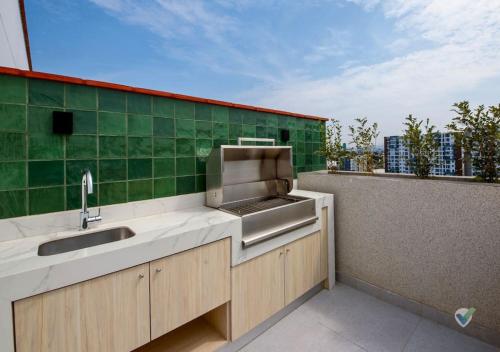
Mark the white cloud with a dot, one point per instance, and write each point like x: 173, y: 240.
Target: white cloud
x: 463, y: 58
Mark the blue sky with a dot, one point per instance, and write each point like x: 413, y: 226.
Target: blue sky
x: 334, y: 58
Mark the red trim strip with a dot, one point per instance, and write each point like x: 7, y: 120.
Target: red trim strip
x: 91, y: 83
x: 25, y: 32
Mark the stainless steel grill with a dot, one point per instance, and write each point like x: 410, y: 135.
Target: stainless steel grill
x: 253, y: 182
x: 249, y: 207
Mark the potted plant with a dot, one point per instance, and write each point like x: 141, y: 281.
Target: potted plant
x: 479, y: 132
x: 422, y: 145
x: 331, y: 145
x: 363, y: 138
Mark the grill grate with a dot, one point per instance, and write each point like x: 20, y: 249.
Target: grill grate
x: 253, y: 207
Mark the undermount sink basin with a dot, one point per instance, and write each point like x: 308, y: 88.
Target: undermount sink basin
x: 90, y: 239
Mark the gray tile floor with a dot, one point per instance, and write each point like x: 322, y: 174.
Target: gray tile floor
x: 347, y: 320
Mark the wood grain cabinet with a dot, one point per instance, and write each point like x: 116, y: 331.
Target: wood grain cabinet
x: 109, y: 313
x: 189, y: 284
x: 302, y: 266
x: 266, y: 284
x: 257, y: 291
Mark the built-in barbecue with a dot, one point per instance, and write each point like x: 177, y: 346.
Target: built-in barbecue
x: 253, y: 182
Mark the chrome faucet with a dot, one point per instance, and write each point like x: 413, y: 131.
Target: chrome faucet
x: 87, y: 188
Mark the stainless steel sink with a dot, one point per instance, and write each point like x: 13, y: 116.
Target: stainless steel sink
x: 90, y: 239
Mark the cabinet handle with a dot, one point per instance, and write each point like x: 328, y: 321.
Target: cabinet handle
x: 288, y: 250
x: 141, y: 276
x: 158, y: 270
x: 281, y: 253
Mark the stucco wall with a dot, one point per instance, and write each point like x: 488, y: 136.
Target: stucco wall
x: 435, y: 242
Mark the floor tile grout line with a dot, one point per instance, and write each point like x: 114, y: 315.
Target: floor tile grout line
x: 421, y: 319
x: 341, y: 335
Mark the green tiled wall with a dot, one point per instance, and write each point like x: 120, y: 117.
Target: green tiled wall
x: 137, y: 146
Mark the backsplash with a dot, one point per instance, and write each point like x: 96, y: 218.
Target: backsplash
x: 137, y: 146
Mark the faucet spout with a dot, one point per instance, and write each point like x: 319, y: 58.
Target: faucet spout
x: 87, y: 188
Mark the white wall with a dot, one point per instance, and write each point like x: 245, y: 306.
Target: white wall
x: 12, y: 45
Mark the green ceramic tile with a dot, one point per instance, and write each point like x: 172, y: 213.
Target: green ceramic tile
x: 184, y: 185
x: 201, y: 183
x: 164, y: 167
x: 203, y: 112
x: 46, y: 200
x: 249, y: 117
x: 45, y: 173
x: 272, y: 133
x: 112, y: 147
x: 112, y: 170
x: 46, y: 93
x: 201, y: 163
x: 75, y: 168
x: 12, y: 117
x: 140, y: 147
x: 81, y: 147
x: 140, y: 125
x: 12, y: 204
x: 248, y: 131
x: 184, y: 129
x: 301, y: 135
x: 81, y: 97
x: 309, y: 148
x: 112, y: 193
x: 235, y: 131
x: 74, y: 197
x: 220, y: 131
x: 272, y: 120
x: 140, y: 168
x: 40, y: 119
x: 282, y: 122
x: 163, y: 107
x: 164, y: 147
x: 140, y: 190
x: 111, y: 100
x: 163, y: 127
x: 301, y: 159
x: 12, y: 146
x: 138, y: 104
x: 261, y: 132
x: 184, y: 147
x: 218, y: 142
x: 13, y: 89
x: 203, y: 129
x: 112, y: 124
x: 235, y: 116
x: 220, y: 114
x: 184, y: 109
x: 164, y: 187
x: 203, y: 147
x: 300, y: 123
x: 12, y: 175
x: 184, y: 166
x: 261, y: 119
x: 41, y: 146
x: 84, y: 122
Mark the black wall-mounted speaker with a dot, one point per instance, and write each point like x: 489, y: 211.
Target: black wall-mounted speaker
x: 62, y: 122
x: 285, y: 135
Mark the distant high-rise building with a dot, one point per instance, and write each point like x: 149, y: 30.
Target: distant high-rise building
x: 449, y: 156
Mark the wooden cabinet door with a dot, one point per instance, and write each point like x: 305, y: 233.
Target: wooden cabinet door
x: 302, y: 266
x: 188, y: 284
x: 109, y: 313
x: 257, y: 291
